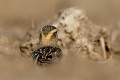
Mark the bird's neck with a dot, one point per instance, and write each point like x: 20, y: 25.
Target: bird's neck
x: 48, y: 42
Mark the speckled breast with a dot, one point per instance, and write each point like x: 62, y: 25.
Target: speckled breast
x: 47, y: 54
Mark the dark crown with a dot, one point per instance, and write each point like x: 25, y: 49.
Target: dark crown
x: 48, y: 28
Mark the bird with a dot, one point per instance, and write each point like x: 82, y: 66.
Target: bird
x: 48, y: 50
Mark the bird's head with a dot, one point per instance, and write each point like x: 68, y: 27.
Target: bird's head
x: 49, y: 30
x: 48, y: 35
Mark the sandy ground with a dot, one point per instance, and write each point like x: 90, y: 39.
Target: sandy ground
x: 15, y: 22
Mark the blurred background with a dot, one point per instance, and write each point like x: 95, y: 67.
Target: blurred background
x: 15, y: 20
x: 99, y: 11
